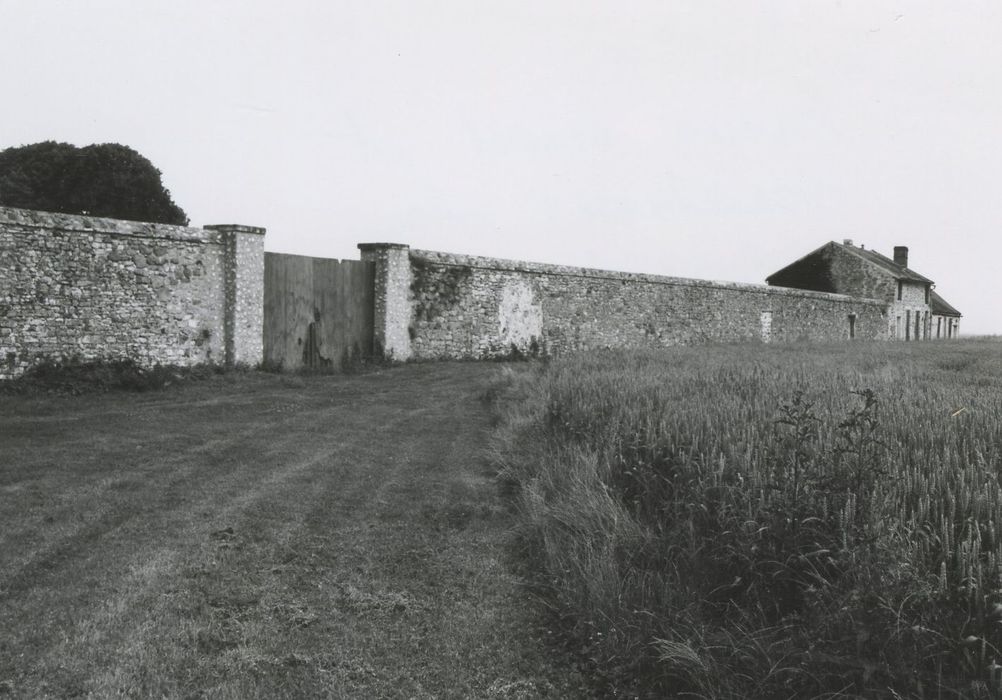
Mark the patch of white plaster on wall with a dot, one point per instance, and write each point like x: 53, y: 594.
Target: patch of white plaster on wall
x: 520, y: 319
x: 766, y: 320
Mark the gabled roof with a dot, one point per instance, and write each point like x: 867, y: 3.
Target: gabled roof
x: 901, y: 273
x: 939, y: 306
x: 814, y: 260
x: 815, y: 266
x: 814, y: 271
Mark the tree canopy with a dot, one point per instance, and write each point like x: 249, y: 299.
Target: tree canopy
x: 105, y: 179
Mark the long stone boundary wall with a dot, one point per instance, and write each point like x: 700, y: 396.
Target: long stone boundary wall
x: 88, y: 288
x: 440, y: 305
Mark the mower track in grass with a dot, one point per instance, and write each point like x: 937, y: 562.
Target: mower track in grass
x: 264, y: 536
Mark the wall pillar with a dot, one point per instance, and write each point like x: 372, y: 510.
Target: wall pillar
x: 243, y: 275
x: 392, y: 317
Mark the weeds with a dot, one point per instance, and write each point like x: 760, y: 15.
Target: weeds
x: 771, y: 522
x: 74, y: 377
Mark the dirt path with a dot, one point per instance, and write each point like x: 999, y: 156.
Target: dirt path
x: 268, y: 537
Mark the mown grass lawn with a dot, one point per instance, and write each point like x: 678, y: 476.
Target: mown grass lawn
x: 264, y: 536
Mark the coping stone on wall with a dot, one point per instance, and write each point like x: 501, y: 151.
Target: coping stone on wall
x: 500, y: 264
x: 366, y: 247
x: 237, y: 228
x: 30, y: 218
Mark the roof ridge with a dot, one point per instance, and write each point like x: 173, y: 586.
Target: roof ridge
x: 880, y: 260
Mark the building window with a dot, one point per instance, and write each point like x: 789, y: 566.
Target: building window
x: 927, y: 294
x: 852, y: 326
x: 939, y: 326
x: 908, y: 325
x: 900, y: 284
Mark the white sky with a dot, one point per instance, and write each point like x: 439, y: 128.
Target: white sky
x: 697, y: 138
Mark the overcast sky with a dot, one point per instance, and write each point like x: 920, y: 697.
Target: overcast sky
x: 717, y: 140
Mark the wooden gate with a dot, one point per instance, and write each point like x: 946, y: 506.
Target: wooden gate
x: 318, y: 312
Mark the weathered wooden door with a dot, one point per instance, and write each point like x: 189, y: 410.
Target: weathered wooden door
x: 318, y: 312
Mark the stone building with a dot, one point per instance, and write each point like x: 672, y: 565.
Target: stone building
x: 914, y: 310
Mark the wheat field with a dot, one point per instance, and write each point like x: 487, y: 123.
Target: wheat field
x: 767, y: 521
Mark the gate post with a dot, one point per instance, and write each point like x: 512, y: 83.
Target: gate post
x: 392, y: 314
x: 243, y: 284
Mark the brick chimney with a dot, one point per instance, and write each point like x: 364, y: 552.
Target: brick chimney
x: 901, y: 255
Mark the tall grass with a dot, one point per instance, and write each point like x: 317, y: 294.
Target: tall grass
x: 768, y: 521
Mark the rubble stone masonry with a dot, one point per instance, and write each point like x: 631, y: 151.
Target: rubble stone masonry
x: 95, y: 288
x: 458, y: 306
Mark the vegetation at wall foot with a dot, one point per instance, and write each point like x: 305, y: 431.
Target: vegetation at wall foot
x: 75, y: 377
x: 759, y: 522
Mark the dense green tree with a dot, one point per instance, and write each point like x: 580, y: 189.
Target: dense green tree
x: 105, y: 179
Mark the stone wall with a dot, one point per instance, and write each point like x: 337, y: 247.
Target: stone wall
x: 89, y: 288
x: 86, y: 287
x: 457, y: 306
